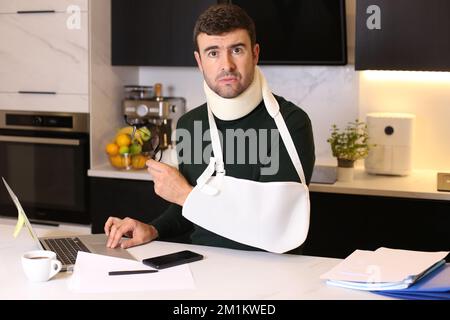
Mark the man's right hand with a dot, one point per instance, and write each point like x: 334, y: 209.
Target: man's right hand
x: 116, y: 228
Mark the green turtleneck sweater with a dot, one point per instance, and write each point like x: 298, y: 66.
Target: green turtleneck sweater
x: 191, y: 154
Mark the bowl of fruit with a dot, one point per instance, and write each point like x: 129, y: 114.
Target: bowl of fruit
x: 131, y: 148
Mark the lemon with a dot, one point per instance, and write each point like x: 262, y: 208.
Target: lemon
x: 124, y: 149
x: 123, y: 139
x: 135, y: 148
x: 112, y: 149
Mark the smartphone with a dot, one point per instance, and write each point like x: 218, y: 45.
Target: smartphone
x: 172, y: 259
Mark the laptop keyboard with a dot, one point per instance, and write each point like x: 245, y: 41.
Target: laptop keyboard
x: 66, y: 249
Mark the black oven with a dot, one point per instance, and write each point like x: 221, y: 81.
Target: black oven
x: 44, y: 157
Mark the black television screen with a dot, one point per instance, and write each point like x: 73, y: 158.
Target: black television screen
x: 311, y: 32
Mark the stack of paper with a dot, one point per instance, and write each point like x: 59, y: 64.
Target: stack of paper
x: 383, y: 269
x: 90, y: 274
x: 435, y: 286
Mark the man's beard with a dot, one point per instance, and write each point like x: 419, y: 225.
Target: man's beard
x: 227, y: 92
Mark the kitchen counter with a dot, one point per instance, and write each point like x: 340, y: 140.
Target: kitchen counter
x: 107, y: 171
x: 420, y: 184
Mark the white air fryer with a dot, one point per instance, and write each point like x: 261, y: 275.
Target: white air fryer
x: 393, y: 135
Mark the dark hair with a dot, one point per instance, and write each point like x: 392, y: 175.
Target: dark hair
x: 222, y: 18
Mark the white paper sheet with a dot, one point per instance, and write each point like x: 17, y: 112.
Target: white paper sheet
x: 383, y: 265
x: 91, y: 275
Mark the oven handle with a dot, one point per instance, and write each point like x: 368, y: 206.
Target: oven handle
x: 59, y: 141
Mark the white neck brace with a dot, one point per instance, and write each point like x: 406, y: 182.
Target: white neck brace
x: 238, y: 107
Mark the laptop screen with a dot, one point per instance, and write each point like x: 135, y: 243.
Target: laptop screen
x: 23, y: 219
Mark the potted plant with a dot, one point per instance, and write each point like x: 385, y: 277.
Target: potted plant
x: 349, y: 145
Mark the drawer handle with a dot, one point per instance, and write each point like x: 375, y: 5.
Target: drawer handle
x: 37, y: 92
x: 36, y: 140
x: 35, y: 11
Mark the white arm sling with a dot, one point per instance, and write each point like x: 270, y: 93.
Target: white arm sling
x: 272, y: 216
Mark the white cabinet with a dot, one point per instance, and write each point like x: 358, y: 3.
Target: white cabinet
x: 44, y: 61
x: 42, y: 54
x: 12, y: 6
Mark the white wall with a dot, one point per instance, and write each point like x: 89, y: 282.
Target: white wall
x: 425, y: 94
x: 327, y: 94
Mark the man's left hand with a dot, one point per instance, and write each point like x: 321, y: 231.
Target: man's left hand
x: 169, y: 182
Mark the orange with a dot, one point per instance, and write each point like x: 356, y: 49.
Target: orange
x: 112, y: 149
x: 138, y: 161
x: 116, y: 161
x: 123, y: 139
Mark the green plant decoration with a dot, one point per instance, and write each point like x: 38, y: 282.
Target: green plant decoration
x: 350, y: 144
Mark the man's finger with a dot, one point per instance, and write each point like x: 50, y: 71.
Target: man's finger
x: 112, y: 232
x: 115, y: 238
x: 156, y: 175
x: 153, y: 171
x: 129, y: 243
x: 109, y: 224
x: 155, y: 165
x: 124, y: 228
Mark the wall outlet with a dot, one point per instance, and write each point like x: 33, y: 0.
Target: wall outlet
x: 443, y: 181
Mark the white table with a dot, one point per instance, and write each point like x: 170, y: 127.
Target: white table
x: 224, y: 273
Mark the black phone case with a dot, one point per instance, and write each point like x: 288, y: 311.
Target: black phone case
x: 172, y: 261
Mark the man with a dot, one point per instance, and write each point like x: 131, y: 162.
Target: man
x: 227, y: 55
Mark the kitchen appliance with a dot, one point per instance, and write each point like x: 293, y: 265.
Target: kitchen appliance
x: 45, y: 157
x: 159, y: 112
x: 392, y: 134
x: 136, y: 92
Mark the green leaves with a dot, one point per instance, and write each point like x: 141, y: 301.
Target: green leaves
x: 352, y: 143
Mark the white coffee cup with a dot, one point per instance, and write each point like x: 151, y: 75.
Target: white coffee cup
x: 40, y: 265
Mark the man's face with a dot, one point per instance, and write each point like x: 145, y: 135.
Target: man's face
x: 227, y: 61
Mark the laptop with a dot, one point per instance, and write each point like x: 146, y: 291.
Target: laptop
x: 66, y: 248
